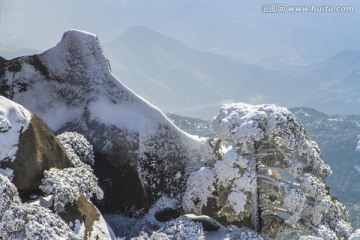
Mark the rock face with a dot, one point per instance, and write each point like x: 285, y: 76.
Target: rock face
x: 138, y: 150
x: 38, y: 150
x: 28, y: 148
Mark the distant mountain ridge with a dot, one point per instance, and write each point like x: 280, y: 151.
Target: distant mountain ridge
x: 195, y: 83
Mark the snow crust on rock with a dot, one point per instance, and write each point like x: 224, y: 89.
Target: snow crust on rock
x: 79, y: 56
x: 355, y: 235
x: 101, y: 230
x: 14, y: 120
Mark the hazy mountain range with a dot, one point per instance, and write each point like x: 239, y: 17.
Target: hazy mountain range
x: 195, y: 83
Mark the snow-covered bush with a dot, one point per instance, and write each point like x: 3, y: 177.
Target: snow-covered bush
x: 75, y: 143
x: 25, y: 221
x: 8, y: 194
x: 181, y: 228
x: 68, y: 184
x: 33, y: 222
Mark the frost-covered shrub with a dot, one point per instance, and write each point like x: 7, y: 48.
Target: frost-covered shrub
x: 69, y: 184
x: 8, y: 194
x: 33, y: 222
x: 153, y: 236
x: 75, y: 143
x: 181, y: 228
x: 25, y: 221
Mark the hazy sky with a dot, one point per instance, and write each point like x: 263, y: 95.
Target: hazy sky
x: 232, y: 27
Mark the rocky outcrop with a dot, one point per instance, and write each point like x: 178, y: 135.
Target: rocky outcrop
x: 28, y: 148
x: 38, y: 150
x: 140, y: 154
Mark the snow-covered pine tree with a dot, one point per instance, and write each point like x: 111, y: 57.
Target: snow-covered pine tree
x: 268, y: 170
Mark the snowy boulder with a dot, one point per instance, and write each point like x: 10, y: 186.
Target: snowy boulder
x: 85, y: 217
x: 28, y: 150
x: 137, y: 149
x: 28, y: 147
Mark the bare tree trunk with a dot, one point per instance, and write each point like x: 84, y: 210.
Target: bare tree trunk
x: 255, y: 210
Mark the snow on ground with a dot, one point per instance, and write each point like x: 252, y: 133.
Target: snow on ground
x: 14, y: 119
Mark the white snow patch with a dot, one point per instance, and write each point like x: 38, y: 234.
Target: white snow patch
x: 7, y: 172
x: 57, y: 116
x: 162, y: 203
x: 232, y: 157
x: 14, y: 120
x: 225, y: 173
x: 127, y: 116
x: 355, y: 235
x: 79, y: 229
x: 44, y: 201
x: 247, y: 182
x: 101, y: 230
x: 237, y: 200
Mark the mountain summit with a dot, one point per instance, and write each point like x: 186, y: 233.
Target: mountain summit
x: 71, y: 87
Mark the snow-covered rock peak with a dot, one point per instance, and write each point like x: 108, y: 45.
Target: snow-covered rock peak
x: 71, y: 87
x: 77, y: 50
